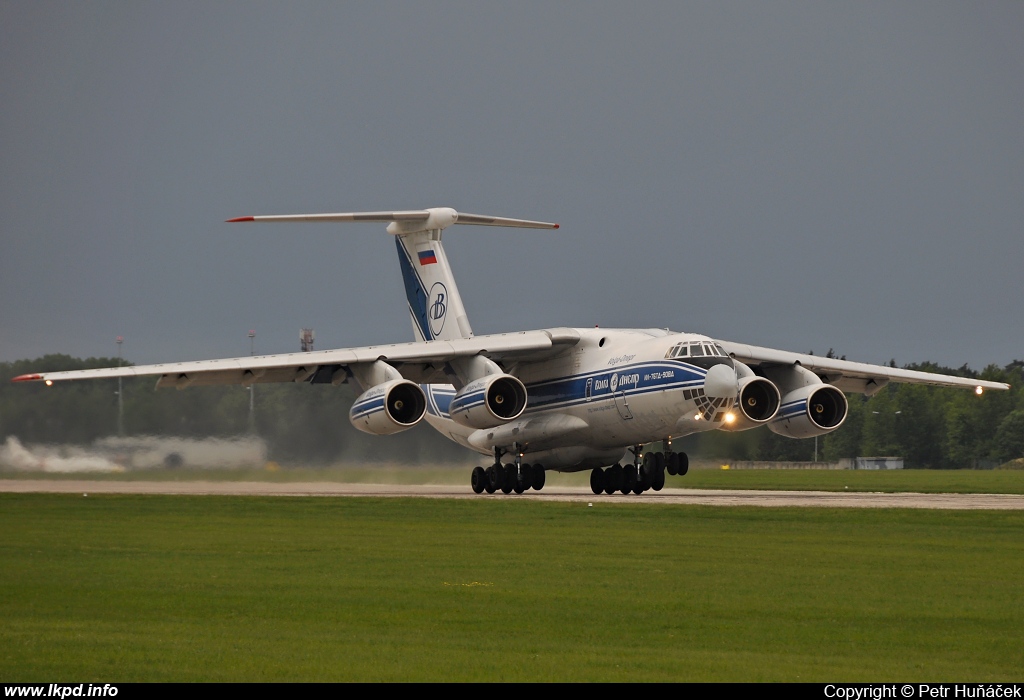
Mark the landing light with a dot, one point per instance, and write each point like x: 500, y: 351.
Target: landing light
x: 979, y: 390
x: 730, y: 417
x: 49, y: 382
x: 698, y: 416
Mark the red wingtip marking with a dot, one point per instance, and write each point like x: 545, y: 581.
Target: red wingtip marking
x: 28, y: 378
x: 556, y: 225
x: 241, y: 218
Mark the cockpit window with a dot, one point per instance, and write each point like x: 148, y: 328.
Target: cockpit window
x: 696, y: 348
x: 678, y: 350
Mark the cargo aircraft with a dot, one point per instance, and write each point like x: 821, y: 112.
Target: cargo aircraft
x: 567, y: 399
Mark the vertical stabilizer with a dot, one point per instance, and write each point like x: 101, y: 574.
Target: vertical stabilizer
x: 434, y: 302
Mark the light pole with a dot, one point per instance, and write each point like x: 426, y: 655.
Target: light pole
x: 252, y: 387
x: 120, y: 392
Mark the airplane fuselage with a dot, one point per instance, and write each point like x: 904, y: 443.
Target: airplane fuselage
x: 614, y: 388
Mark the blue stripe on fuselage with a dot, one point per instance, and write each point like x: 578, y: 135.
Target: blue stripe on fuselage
x: 563, y: 392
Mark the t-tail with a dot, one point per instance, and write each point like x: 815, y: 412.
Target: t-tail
x: 434, y: 301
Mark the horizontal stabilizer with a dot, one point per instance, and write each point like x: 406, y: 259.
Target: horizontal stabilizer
x: 403, y: 222
x: 384, y: 217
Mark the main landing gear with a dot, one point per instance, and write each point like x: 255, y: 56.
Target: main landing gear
x: 513, y: 476
x: 644, y: 474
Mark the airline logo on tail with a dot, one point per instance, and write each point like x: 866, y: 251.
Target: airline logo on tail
x: 437, y: 306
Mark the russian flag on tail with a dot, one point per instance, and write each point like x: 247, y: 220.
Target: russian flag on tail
x: 427, y: 257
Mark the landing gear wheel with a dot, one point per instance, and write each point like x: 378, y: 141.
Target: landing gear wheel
x: 478, y: 480
x: 518, y: 486
x: 659, y: 480
x: 597, y: 482
x: 628, y: 479
x: 684, y: 464
x: 647, y: 471
x: 615, y: 477
x: 538, y: 477
x: 672, y: 463
x: 638, y: 488
x: 509, y: 478
x: 609, y: 481
x: 526, y: 476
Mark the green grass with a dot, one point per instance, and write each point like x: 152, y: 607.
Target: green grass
x: 127, y: 588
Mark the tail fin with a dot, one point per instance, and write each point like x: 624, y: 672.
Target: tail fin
x: 434, y: 302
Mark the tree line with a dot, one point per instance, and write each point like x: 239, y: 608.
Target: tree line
x: 929, y: 427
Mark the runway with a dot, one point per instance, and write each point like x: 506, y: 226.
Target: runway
x: 668, y: 496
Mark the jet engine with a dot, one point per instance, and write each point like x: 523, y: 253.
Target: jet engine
x: 388, y: 408
x: 489, y: 401
x: 810, y: 410
x: 757, y: 403
x: 757, y: 400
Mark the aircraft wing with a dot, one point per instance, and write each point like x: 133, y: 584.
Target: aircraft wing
x: 853, y: 377
x: 419, y: 362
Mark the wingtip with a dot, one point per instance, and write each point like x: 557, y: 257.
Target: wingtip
x: 557, y: 226
x: 28, y: 378
x: 240, y: 219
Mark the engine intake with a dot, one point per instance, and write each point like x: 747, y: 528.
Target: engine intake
x: 388, y: 408
x: 489, y: 401
x: 759, y: 400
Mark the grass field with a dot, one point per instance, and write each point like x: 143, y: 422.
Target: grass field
x: 122, y: 588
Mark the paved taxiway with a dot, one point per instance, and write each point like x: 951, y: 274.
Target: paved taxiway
x: 707, y: 497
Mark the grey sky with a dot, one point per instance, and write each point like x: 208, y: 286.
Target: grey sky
x: 797, y: 175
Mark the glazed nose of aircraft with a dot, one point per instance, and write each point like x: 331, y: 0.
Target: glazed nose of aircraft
x: 720, y: 382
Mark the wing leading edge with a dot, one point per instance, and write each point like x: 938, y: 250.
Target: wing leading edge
x: 853, y: 377
x: 418, y: 362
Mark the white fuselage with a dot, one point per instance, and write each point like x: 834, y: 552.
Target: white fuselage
x: 614, y: 389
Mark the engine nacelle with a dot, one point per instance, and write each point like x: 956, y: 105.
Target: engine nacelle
x: 815, y: 409
x: 388, y: 408
x: 489, y: 401
x: 758, y: 402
